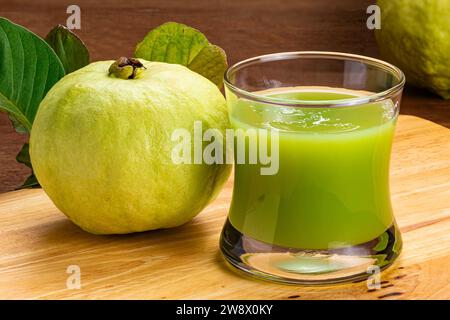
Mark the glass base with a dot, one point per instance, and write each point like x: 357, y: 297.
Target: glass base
x: 301, y: 266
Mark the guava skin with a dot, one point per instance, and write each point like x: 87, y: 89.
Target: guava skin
x: 415, y: 36
x: 101, y: 147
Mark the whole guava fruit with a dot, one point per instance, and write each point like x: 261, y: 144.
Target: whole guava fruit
x: 101, y: 147
x: 415, y: 36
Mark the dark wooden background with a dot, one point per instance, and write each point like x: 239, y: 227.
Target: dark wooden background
x: 243, y: 28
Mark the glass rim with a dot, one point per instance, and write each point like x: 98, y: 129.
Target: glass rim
x: 375, y: 97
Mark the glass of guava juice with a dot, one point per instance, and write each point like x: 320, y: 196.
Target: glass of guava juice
x: 312, y: 144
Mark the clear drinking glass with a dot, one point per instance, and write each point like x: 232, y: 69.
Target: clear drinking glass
x: 319, y: 211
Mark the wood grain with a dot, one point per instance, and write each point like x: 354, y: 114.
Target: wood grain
x: 243, y: 28
x: 38, y: 243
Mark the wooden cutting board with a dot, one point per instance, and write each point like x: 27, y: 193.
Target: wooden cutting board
x: 38, y: 244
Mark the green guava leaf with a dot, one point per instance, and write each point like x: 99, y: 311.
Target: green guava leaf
x: 24, y: 157
x: 177, y: 43
x: 28, y: 69
x: 30, y: 182
x: 17, y: 125
x: 211, y: 63
x: 70, y: 49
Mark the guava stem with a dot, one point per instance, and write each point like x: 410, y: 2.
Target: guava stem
x: 126, y: 68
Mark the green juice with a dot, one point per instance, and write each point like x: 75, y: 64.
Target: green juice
x: 332, y: 187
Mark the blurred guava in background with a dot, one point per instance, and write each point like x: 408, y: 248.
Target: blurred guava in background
x: 415, y: 36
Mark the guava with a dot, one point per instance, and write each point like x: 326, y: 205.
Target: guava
x: 415, y: 36
x: 101, y: 146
